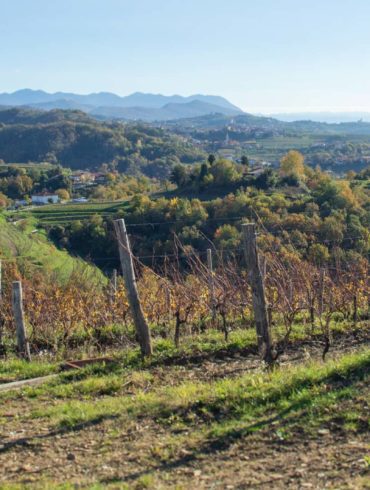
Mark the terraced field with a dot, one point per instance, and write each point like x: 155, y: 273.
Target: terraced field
x: 65, y: 213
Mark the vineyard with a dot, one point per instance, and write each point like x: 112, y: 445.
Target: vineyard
x: 182, y: 296
x: 211, y: 399
x: 67, y: 213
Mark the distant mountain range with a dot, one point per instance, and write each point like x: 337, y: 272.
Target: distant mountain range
x: 137, y: 106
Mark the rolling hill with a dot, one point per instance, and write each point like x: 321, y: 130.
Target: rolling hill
x: 79, y: 141
x: 170, y: 111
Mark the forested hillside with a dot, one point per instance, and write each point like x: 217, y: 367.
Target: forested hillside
x: 77, y: 141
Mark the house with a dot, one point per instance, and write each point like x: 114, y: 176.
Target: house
x: 84, y: 179
x: 99, y: 177
x: 82, y: 176
x: 45, y: 198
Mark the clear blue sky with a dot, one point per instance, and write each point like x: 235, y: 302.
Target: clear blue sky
x: 264, y: 55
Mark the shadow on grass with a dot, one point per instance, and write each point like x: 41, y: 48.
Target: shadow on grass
x: 287, y: 417
x: 340, y: 381
x: 337, y: 380
x: 180, y: 358
x: 26, y: 442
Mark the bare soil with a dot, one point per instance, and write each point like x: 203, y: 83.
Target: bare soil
x: 139, y: 455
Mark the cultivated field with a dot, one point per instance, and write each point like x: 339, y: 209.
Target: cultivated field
x: 65, y: 213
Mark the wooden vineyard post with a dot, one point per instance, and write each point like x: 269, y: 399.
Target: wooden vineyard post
x: 211, y: 283
x: 141, y: 325
x: 114, y: 281
x: 17, y: 300
x: 321, y: 293
x: 168, y: 302
x: 113, y: 286
x: 263, y: 267
x: 355, y: 309
x: 256, y: 282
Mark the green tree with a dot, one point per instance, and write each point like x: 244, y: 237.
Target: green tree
x: 318, y: 254
x: 179, y: 176
x: 224, y: 172
x: 245, y: 161
x: 227, y: 236
x: 211, y: 159
x: 266, y: 180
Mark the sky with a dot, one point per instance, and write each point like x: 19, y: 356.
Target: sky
x: 265, y: 56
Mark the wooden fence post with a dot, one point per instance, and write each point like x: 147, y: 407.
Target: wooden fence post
x: 211, y: 283
x: 17, y: 300
x: 256, y: 282
x: 141, y: 325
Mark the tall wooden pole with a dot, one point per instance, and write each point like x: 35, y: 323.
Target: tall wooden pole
x: 211, y: 283
x: 256, y: 282
x: 141, y: 325
x: 17, y: 300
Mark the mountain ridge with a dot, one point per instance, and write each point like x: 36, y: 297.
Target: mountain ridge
x: 139, y: 105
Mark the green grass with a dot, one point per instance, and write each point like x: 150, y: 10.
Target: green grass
x: 33, y: 251
x: 245, y: 404
x: 17, y: 369
x: 208, y: 344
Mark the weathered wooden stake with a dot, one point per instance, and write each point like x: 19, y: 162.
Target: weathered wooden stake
x: 321, y: 292
x: 141, y: 325
x: 312, y: 313
x: 168, y: 302
x: 211, y: 283
x: 263, y: 266
x: 355, y: 309
x: 114, y: 281
x: 269, y: 315
x: 258, y: 292
x: 22, y: 344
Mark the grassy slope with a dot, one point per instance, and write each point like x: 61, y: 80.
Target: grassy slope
x: 158, y: 425
x: 34, y: 251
